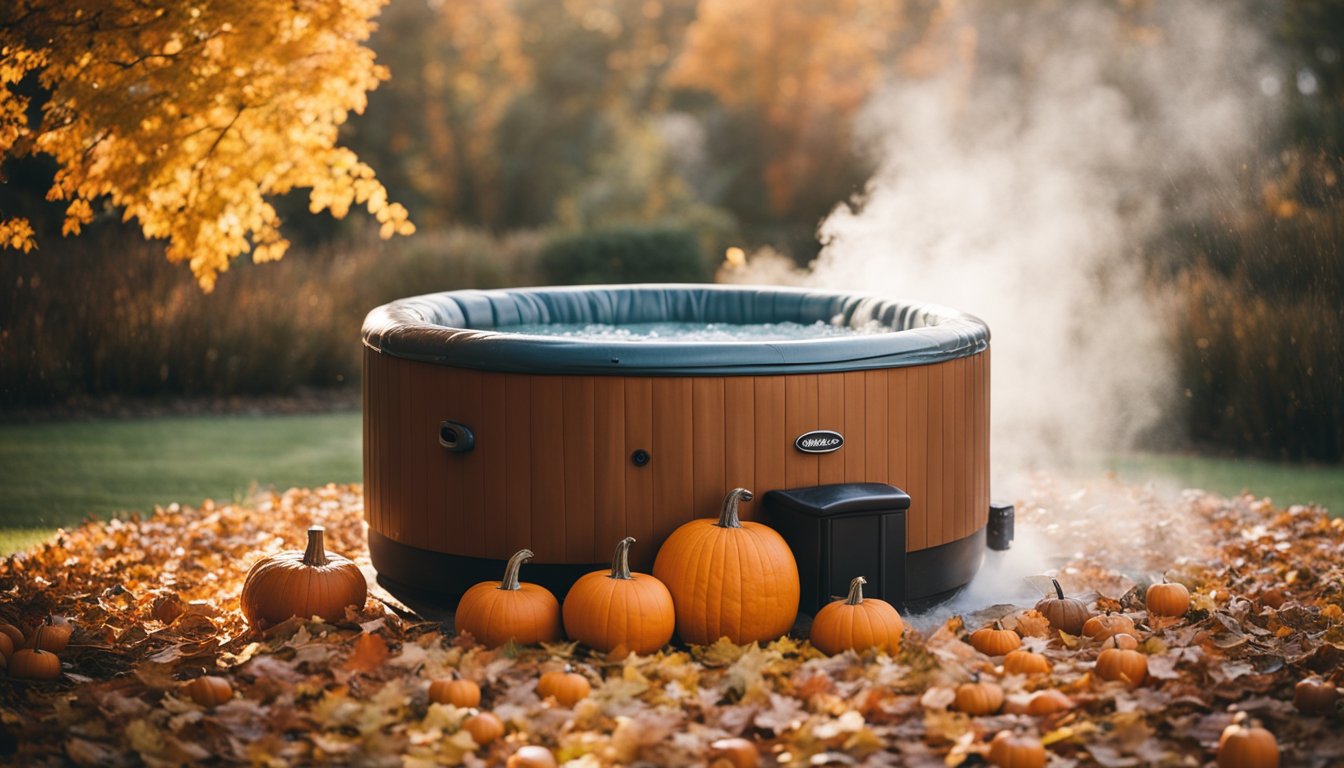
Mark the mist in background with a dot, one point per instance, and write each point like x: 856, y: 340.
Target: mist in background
x: 1023, y: 184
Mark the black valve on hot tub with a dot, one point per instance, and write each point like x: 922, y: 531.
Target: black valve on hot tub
x: 456, y: 437
x: 999, y: 531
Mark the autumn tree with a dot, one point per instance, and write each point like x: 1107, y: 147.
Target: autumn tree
x: 188, y: 115
x: 794, y: 74
x: 456, y: 67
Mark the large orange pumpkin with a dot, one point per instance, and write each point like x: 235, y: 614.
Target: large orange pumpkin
x: 1015, y: 750
x: 729, y: 578
x: 856, y: 623
x: 1243, y: 746
x: 304, y: 584
x: 619, y: 609
x: 495, y: 612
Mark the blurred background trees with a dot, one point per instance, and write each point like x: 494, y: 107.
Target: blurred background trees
x: 528, y: 138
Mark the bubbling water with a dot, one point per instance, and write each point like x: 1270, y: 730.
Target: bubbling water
x: 695, y: 332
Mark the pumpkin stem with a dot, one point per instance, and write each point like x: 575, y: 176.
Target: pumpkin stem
x: 510, y: 581
x: 620, y: 562
x: 316, y: 554
x: 728, y: 515
x: 856, y: 591
x: 1058, y: 589
x: 37, y: 638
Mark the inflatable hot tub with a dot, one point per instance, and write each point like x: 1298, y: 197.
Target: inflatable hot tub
x: 479, y: 441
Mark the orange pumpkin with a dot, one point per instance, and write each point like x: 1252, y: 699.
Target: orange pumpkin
x: 857, y: 624
x: 6, y: 646
x: 35, y: 663
x: 995, y: 640
x: 57, y: 636
x: 496, y: 612
x: 209, y: 691
x: 1066, y: 614
x: 1167, y: 599
x: 619, y: 609
x: 978, y: 697
x: 15, y: 635
x: 1104, y: 625
x: 568, y: 687
x: 1012, y: 750
x: 1127, y: 666
x: 734, y: 753
x: 1022, y: 662
x: 304, y: 584
x: 531, y: 756
x: 460, y: 693
x: 1048, y: 702
x: 1121, y: 640
x: 729, y: 578
x: 484, y: 727
x: 1315, y: 696
x: 1247, y: 747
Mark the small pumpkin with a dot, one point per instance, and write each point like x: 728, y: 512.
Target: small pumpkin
x: 57, y: 636
x: 1022, y: 662
x: 978, y: 697
x: 484, y: 727
x: 1247, y: 747
x: 1167, y: 599
x: 6, y: 646
x: 1066, y: 614
x: 531, y: 756
x: 35, y: 663
x: 304, y: 584
x: 460, y: 693
x: 857, y: 624
x: 1127, y: 666
x: 1315, y: 696
x: 729, y: 578
x: 995, y: 640
x: 1016, y: 750
x: 734, y: 753
x: 209, y: 691
x: 619, y: 609
x: 568, y: 687
x: 1121, y: 640
x: 1103, y: 625
x: 16, y: 636
x: 1048, y: 702
x: 496, y: 612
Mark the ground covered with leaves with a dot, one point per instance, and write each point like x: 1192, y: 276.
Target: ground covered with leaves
x: 155, y: 603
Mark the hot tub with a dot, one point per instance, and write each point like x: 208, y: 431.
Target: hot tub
x: 478, y: 443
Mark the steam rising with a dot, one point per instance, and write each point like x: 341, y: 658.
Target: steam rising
x: 1023, y: 185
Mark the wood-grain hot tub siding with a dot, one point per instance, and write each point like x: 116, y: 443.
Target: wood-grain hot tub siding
x: 559, y: 425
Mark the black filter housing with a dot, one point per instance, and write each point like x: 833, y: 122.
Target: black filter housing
x: 841, y: 531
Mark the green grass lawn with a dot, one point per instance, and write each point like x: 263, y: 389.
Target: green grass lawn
x: 1284, y: 483
x: 59, y: 473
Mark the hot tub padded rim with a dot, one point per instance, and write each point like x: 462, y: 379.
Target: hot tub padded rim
x: 458, y: 328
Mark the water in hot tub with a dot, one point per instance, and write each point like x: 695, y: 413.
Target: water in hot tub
x: 673, y: 331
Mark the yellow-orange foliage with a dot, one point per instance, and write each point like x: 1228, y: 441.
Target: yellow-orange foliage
x: 186, y: 115
x: 806, y: 65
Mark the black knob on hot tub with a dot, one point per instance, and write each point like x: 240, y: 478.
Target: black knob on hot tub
x: 999, y: 531
x: 456, y: 437
x: 640, y: 457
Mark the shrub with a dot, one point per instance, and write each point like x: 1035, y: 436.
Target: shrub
x: 1260, y: 343
x: 105, y: 314
x: 630, y: 255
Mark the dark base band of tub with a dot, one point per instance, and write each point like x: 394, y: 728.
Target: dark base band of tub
x: 480, y: 440
x: 931, y: 575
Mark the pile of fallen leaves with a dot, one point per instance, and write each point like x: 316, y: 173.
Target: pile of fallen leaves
x: 155, y: 604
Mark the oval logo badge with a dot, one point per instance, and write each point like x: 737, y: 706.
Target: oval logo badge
x: 819, y: 441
